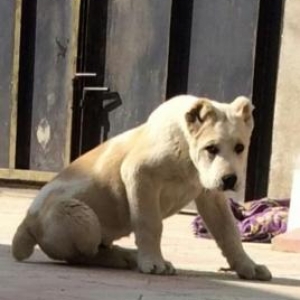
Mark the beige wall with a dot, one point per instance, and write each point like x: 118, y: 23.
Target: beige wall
x: 286, y: 130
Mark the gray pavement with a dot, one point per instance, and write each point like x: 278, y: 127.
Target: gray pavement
x: 197, y: 261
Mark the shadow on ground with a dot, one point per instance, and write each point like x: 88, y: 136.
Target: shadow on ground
x: 40, y: 278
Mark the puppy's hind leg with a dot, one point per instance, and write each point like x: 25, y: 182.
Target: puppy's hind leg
x: 110, y: 257
x: 70, y: 230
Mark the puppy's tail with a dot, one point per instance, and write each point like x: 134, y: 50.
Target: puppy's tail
x: 23, y: 242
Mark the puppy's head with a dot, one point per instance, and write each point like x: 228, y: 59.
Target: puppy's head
x: 219, y: 137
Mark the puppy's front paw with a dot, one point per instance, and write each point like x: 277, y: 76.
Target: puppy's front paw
x: 158, y: 266
x: 252, y: 271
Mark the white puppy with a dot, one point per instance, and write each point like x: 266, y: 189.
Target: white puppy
x: 189, y: 148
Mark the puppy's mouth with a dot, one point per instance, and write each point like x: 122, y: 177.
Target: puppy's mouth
x: 228, y: 189
x: 222, y: 189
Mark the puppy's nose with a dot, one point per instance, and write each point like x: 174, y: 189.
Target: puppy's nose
x: 229, y: 181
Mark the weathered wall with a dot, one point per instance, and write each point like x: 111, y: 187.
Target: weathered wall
x: 286, y: 130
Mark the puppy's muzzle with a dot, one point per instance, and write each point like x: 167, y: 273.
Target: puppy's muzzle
x: 229, y: 182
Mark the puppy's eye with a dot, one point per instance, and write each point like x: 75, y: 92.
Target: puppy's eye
x: 212, y: 149
x: 239, y: 148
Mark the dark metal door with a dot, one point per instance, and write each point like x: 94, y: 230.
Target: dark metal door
x: 81, y: 71
x: 38, y: 46
x: 128, y: 51
x: 9, y: 34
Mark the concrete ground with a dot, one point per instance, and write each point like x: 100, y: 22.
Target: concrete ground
x: 197, y: 261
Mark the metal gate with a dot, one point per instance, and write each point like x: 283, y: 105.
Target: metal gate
x: 74, y: 73
x: 37, y: 52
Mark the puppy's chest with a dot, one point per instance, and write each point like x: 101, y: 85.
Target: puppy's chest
x: 176, y: 195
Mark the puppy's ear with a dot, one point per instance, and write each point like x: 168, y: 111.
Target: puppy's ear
x: 243, y: 108
x: 199, y: 113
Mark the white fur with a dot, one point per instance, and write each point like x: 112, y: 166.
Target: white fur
x: 129, y: 184
x: 68, y: 190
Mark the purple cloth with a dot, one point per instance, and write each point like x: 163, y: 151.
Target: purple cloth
x: 257, y: 221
